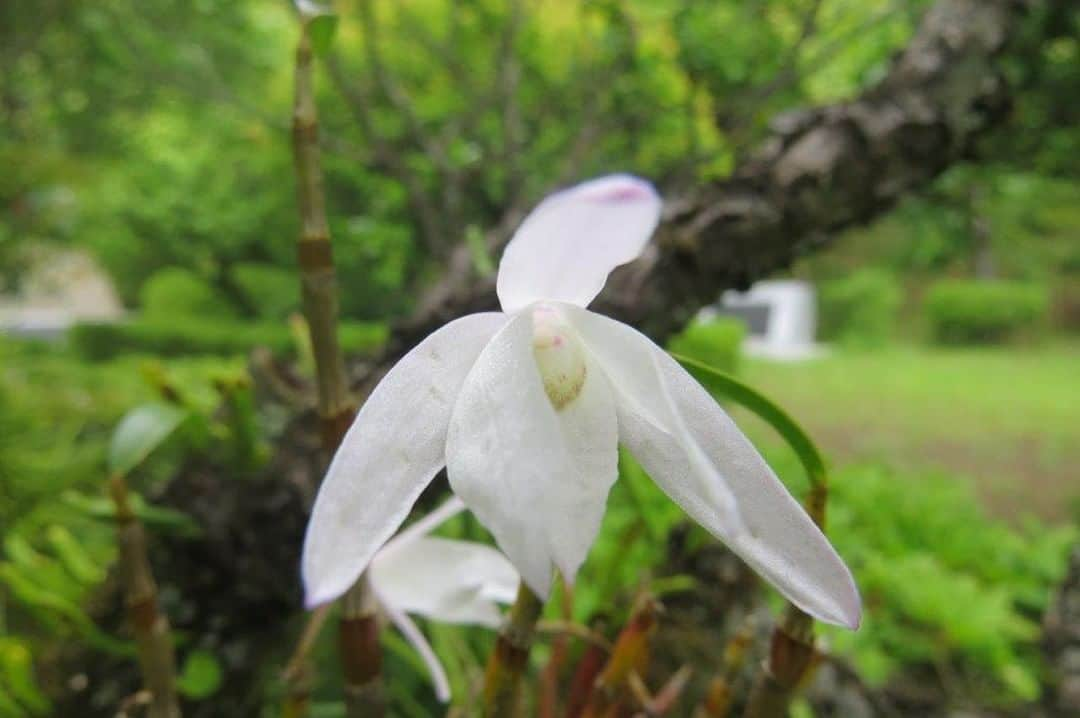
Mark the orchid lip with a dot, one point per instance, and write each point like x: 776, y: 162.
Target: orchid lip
x: 559, y: 355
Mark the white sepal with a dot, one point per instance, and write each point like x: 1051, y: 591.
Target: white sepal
x: 393, y: 449
x: 567, y: 246
x: 701, y: 459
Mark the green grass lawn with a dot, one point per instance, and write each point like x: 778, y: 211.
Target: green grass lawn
x: 1008, y: 418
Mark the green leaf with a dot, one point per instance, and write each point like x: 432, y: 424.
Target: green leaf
x: 201, y: 675
x: 720, y: 384
x: 153, y: 517
x: 668, y: 585
x: 73, y: 556
x: 322, y: 29
x: 47, y: 603
x: 141, y: 431
x: 46, y: 571
x: 8, y: 707
x: 17, y: 677
x: 478, y: 251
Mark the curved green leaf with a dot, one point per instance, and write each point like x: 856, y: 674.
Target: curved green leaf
x: 45, y: 603
x: 720, y: 384
x: 153, y: 517
x: 322, y: 30
x: 73, y: 556
x: 17, y: 676
x: 141, y: 431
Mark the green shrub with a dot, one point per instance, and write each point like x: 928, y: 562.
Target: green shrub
x: 188, y: 336
x: 859, y: 310
x: 175, y: 292
x: 715, y: 342
x: 272, y: 292
x: 944, y: 584
x: 984, y: 312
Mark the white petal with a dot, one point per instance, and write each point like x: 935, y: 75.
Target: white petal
x: 393, y: 449
x: 423, y: 526
x: 536, y: 478
x: 772, y: 532
x: 567, y: 246
x: 448, y: 580
x: 415, y: 636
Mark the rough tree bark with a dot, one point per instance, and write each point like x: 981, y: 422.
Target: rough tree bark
x: 819, y: 171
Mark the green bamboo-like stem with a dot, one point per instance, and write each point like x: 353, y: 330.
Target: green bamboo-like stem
x: 502, y: 679
x: 318, y: 280
x: 153, y: 639
x: 791, y: 650
x: 297, y: 674
x: 357, y: 630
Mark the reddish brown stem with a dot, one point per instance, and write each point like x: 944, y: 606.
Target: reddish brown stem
x: 629, y: 656
x: 361, y: 656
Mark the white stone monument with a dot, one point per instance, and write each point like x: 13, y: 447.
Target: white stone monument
x: 65, y: 287
x: 781, y: 318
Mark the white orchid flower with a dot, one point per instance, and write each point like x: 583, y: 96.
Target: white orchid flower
x: 446, y: 580
x: 526, y: 407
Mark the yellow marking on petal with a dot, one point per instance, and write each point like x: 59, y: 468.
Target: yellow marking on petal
x: 559, y: 355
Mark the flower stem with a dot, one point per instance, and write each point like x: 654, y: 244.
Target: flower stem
x: 361, y: 657
x: 791, y: 655
x: 153, y: 639
x: 358, y: 631
x: 297, y: 673
x: 502, y: 679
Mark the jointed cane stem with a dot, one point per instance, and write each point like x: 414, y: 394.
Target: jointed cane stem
x: 502, y: 680
x: 358, y: 630
x: 153, y: 639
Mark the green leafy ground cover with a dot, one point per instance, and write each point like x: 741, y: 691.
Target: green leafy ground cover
x: 954, y: 583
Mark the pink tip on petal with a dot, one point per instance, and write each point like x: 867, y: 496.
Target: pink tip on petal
x: 621, y: 188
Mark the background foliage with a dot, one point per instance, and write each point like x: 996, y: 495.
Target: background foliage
x: 153, y: 135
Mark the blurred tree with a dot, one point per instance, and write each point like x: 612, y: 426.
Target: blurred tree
x: 154, y: 132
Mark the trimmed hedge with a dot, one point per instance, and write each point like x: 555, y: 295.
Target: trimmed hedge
x: 984, y: 312
x: 715, y: 342
x: 174, y: 291
x: 859, y: 310
x: 187, y: 336
x: 272, y: 291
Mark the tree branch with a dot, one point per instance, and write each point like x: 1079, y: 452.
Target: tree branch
x: 819, y: 171
x: 389, y: 157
